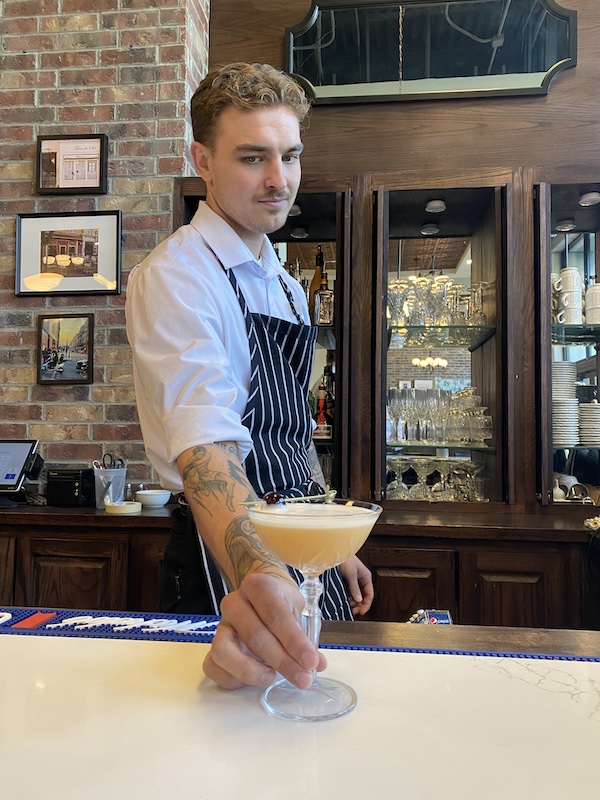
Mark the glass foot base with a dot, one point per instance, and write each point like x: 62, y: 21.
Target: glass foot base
x: 325, y: 699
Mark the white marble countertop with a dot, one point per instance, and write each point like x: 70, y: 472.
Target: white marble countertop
x: 92, y: 719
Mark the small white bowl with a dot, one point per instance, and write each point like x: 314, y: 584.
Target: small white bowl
x: 153, y: 497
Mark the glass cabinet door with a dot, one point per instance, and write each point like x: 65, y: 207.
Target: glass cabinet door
x: 443, y: 282
x: 313, y: 246
x: 570, y: 308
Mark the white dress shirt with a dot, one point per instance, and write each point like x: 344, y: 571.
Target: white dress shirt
x: 191, y: 360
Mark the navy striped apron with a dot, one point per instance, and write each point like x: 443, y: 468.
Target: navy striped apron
x: 277, y: 415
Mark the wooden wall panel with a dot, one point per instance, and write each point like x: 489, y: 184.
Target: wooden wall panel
x: 561, y: 127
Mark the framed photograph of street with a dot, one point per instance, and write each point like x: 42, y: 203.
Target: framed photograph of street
x: 68, y: 253
x: 72, y: 164
x: 65, y: 348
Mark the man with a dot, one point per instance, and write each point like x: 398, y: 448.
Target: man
x: 222, y: 353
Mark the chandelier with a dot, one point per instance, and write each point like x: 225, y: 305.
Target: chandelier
x: 430, y: 363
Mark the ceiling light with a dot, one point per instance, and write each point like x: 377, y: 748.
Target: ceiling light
x: 299, y: 233
x: 589, y: 199
x: 294, y: 211
x: 435, y: 206
x: 430, y: 229
x: 565, y: 225
x: 430, y: 363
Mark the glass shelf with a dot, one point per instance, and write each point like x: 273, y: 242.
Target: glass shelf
x: 471, y: 336
x: 576, y: 446
x: 393, y: 447
x: 576, y: 334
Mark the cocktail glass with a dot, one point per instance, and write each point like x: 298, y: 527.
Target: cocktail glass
x: 312, y: 536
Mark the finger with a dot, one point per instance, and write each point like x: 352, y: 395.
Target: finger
x: 355, y: 595
x: 265, y: 611
x: 368, y: 592
x: 231, y: 665
x: 282, y: 644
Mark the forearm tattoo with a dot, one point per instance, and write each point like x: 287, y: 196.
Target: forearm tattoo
x: 247, y: 553
x: 202, y: 482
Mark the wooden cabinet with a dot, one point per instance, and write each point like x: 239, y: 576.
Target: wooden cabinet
x: 536, y: 573
x: 146, y: 554
x: 406, y: 579
x: 7, y: 569
x: 73, y: 573
x: 82, y: 558
x: 486, y: 569
x: 516, y: 586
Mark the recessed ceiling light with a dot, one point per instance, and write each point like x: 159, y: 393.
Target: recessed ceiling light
x: 299, y: 233
x: 589, y: 199
x: 294, y: 211
x: 430, y: 229
x: 435, y: 206
x: 565, y: 225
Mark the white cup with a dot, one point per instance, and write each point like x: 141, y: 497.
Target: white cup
x: 569, y: 316
x: 592, y: 296
x: 592, y: 315
x: 570, y: 300
x: 569, y: 280
x: 567, y: 480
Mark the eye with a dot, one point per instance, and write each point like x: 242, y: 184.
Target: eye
x: 291, y: 157
x: 251, y: 159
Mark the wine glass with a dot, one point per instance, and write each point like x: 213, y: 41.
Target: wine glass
x: 312, y: 536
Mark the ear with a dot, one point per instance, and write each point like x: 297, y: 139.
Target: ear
x: 201, y: 156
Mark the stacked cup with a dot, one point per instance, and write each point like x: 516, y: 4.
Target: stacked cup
x: 568, y: 301
x: 592, y: 304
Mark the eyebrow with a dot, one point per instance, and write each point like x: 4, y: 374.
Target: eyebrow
x: 256, y: 148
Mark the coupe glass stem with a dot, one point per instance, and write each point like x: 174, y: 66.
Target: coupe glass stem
x: 312, y: 589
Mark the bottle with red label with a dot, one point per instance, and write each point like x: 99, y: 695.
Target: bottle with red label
x: 324, y: 429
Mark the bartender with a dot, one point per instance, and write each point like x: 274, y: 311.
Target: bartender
x: 222, y: 355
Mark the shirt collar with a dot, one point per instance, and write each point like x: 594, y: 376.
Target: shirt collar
x: 231, y: 251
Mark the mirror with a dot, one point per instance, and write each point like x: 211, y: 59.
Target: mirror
x: 371, y: 51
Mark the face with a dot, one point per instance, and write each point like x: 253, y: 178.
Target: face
x: 253, y: 172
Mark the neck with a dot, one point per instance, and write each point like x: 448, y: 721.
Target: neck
x: 253, y: 241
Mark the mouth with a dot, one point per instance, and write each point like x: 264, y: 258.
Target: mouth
x: 275, y: 202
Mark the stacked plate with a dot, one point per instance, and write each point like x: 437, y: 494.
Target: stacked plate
x: 589, y: 424
x: 565, y: 406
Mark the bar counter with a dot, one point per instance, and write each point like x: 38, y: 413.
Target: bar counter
x: 113, y: 704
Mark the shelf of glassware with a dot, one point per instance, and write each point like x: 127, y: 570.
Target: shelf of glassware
x: 470, y: 336
x: 452, y: 478
x: 576, y: 334
x: 430, y: 448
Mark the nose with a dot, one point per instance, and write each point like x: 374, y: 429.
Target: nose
x: 276, y: 177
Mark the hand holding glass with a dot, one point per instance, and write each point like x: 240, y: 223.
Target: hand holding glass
x: 312, y: 536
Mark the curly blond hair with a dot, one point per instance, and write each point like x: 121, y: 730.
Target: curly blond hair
x: 244, y: 86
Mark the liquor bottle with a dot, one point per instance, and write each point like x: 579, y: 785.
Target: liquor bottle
x: 315, y: 284
x: 323, y: 303
x: 297, y: 271
x: 329, y: 391
x: 324, y: 427
x: 306, y: 287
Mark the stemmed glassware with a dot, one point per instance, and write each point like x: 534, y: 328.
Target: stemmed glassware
x: 394, y: 410
x: 312, y: 535
x: 476, y: 313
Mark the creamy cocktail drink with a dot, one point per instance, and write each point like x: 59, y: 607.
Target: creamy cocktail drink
x: 312, y: 536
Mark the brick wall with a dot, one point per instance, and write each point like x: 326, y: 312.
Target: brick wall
x: 126, y: 68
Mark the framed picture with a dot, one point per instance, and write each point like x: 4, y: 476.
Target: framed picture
x: 65, y: 348
x: 72, y: 164
x: 68, y: 253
